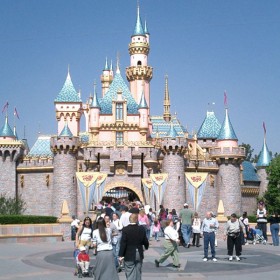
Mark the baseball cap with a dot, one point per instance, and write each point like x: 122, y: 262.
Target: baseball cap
x: 82, y: 248
x: 186, y: 204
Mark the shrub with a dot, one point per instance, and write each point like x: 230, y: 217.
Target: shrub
x: 11, y: 205
x: 26, y: 219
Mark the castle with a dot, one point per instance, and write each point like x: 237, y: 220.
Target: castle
x: 123, y: 140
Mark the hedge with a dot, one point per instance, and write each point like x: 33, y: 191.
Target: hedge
x: 26, y: 219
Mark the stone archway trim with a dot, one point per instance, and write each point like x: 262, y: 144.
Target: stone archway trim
x: 125, y: 185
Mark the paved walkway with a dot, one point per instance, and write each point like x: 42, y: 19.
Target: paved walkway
x: 47, y: 261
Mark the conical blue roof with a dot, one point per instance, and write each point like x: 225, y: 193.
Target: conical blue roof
x: 138, y: 30
x: 41, y: 148
x: 66, y: 131
x: 143, y: 104
x: 146, y: 28
x: 117, y: 85
x: 265, y: 157
x: 15, y: 133
x: 172, y: 132
x: 210, y: 127
x: 106, y: 67
x: 6, y: 130
x: 227, y: 131
x: 68, y: 92
x: 94, y: 102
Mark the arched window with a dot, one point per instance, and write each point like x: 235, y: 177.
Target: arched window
x: 139, y: 63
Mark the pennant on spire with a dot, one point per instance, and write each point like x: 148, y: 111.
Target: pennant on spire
x: 225, y: 99
x: 16, y: 113
x: 5, y: 107
x: 264, y: 128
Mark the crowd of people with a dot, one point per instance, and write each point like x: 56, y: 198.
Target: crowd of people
x: 120, y: 231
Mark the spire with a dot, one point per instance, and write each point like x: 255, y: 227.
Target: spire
x: 227, y: 131
x: 15, y: 132
x: 146, y: 28
x: 172, y: 132
x: 6, y: 130
x: 138, y: 30
x: 118, y: 66
x: 94, y: 103
x: 265, y: 156
x: 166, y: 102
x: 66, y: 131
x: 143, y: 103
x: 106, y: 68
x: 111, y: 65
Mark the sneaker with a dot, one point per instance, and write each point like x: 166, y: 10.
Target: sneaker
x: 246, y: 243
x: 189, y: 245
x: 157, y: 263
x: 177, y: 266
x: 230, y: 258
x: 205, y: 259
x: 237, y: 258
x: 214, y: 260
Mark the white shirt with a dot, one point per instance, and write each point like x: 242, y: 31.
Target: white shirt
x: 171, y: 233
x: 86, y: 234
x: 102, y: 246
x: 125, y: 219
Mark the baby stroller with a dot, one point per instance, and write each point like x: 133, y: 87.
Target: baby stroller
x: 259, y: 237
x: 256, y: 236
x: 78, y: 270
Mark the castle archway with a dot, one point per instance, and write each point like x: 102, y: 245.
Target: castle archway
x: 119, y: 185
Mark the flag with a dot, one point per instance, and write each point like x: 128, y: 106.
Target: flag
x: 225, y: 98
x: 5, y: 107
x: 264, y: 128
x: 16, y: 113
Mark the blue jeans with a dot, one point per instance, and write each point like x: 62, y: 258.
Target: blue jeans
x: 209, y: 238
x: 274, y: 229
x: 186, y: 232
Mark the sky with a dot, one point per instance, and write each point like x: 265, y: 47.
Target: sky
x: 205, y: 47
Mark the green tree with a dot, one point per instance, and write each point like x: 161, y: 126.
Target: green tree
x: 248, y: 152
x: 272, y: 195
x: 11, y: 206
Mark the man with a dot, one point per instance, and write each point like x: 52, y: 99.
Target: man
x: 131, y: 249
x: 232, y: 232
x: 262, y: 219
x: 124, y: 219
x: 74, y: 227
x: 135, y: 208
x: 170, y: 245
x: 208, y: 228
x: 186, y: 216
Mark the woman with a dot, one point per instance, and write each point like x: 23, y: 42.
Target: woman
x: 119, y: 226
x: 84, y: 234
x: 274, y: 228
x: 105, y: 265
x: 196, y: 230
x: 144, y: 221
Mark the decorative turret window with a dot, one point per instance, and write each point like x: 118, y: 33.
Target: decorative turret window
x: 139, y: 63
x: 119, y: 111
x: 119, y: 138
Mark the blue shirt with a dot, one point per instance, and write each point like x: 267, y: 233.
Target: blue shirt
x: 209, y: 225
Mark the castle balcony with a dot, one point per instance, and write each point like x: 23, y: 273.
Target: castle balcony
x: 226, y: 153
x: 139, y: 48
x: 139, y: 73
x: 202, y: 165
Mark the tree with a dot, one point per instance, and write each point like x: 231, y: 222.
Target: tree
x: 272, y: 195
x: 11, y: 206
x: 248, y: 152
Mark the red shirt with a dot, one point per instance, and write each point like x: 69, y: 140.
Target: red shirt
x: 83, y: 257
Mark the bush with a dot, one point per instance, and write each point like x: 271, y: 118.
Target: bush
x: 26, y: 219
x: 11, y: 205
x: 252, y: 219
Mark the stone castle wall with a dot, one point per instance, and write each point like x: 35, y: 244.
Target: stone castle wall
x: 8, y: 177
x: 249, y: 204
x: 264, y: 182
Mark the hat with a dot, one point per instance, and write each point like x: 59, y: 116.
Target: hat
x: 82, y: 248
x: 186, y: 204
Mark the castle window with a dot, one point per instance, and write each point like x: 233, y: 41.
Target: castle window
x: 119, y: 111
x: 119, y: 138
x: 139, y: 63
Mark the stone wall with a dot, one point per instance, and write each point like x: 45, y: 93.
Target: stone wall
x: 8, y: 177
x: 264, y: 182
x: 249, y: 204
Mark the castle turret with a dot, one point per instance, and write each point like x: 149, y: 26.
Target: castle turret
x: 263, y: 161
x: 139, y: 71
x: 106, y: 77
x: 68, y: 105
x: 166, y: 103
x: 229, y: 157
x: 173, y: 149
x: 94, y: 115
x: 144, y: 118
x: 65, y: 148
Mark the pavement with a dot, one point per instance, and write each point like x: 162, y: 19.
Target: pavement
x: 47, y: 261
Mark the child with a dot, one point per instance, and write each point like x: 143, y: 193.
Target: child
x: 196, y: 230
x: 83, y: 260
x: 156, y: 228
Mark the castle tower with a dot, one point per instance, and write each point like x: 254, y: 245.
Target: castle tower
x: 10, y: 152
x: 173, y: 149
x: 94, y: 116
x: 65, y: 149
x: 228, y: 157
x: 68, y: 105
x: 139, y: 71
x: 263, y: 161
x: 144, y: 118
x: 106, y: 77
x: 166, y: 102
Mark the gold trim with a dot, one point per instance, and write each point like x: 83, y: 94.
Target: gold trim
x: 35, y: 169
x: 250, y: 190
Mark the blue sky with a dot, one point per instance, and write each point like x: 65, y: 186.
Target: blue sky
x: 205, y: 47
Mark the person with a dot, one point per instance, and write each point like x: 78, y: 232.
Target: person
x: 170, y: 245
x: 74, y: 227
x: 151, y: 216
x: 131, y: 248
x: 83, y: 260
x: 105, y: 264
x: 156, y: 229
x: 232, y: 233
x: 208, y: 227
x: 124, y: 219
x: 135, y: 208
x: 196, y: 230
x: 143, y: 220
x: 84, y: 233
x: 262, y: 219
x: 186, y: 216
x: 274, y: 228
x: 244, y: 219
x: 119, y: 226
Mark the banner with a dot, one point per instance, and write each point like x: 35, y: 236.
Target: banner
x: 148, y: 190
x: 100, y: 185
x: 159, y: 185
x: 196, y: 184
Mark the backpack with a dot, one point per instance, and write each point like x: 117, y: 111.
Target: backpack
x: 175, y: 219
x: 150, y: 218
